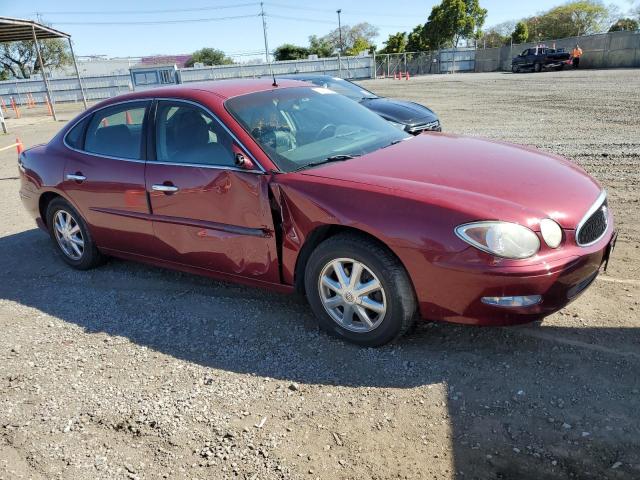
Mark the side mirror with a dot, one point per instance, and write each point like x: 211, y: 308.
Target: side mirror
x: 241, y: 160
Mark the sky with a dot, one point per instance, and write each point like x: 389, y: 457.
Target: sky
x: 97, y: 27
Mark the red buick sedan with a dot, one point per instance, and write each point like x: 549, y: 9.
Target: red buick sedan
x: 297, y: 188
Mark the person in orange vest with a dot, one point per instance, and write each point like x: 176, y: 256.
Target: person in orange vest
x: 576, y: 54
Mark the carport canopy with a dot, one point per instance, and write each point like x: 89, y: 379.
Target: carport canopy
x: 16, y: 30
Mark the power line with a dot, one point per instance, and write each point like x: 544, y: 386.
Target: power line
x: 344, y: 12
x: 134, y: 12
x: 329, y: 22
x: 160, y: 22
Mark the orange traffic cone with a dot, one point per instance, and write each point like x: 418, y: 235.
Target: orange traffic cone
x: 19, y: 146
x: 407, y: 77
x: 127, y: 118
x: 15, y: 108
x: 2, y: 104
x: 395, y: 76
x: 104, y: 122
x: 50, y: 111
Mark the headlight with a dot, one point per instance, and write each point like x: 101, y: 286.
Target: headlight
x: 503, y: 239
x: 551, y: 232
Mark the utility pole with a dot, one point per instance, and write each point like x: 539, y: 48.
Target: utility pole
x: 264, y: 30
x: 339, y: 11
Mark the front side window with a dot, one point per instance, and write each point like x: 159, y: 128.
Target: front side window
x: 303, y: 125
x: 187, y: 134
x: 117, y: 131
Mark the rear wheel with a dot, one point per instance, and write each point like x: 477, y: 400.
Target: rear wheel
x: 537, y: 68
x: 359, y: 291
x: 71, y: 236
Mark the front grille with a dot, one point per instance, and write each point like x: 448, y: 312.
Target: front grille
x: 593, y: 227
x: 416, y: 129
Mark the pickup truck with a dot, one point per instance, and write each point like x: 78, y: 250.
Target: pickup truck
x: 539, y: 58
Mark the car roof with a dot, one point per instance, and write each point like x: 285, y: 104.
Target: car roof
x: 309, y: 76
x: 222, y: 88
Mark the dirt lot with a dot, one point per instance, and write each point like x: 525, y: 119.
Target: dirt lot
x: 135, y: 372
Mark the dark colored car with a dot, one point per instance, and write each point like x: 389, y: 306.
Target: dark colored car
x: 539, y: 58
x: 409, y: 116
x: 290, y: 187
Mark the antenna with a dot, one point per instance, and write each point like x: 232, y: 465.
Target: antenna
x: 266, y: 44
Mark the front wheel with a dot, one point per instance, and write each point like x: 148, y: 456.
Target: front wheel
x: 359, y: 291
x: 537, y: 68
x: 515, y: 69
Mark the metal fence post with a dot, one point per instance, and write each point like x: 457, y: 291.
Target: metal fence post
x: 374, y: 74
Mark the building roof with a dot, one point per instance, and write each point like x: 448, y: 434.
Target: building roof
x: 15, y: 29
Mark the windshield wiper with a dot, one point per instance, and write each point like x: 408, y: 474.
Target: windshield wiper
x: 395, y: 142
x: 333, y: 158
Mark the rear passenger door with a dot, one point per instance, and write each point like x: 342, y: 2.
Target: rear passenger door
x: 104, y: 176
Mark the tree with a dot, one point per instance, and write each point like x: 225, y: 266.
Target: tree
x: 320, y: 47
x: 627, y: 24
x: 520, y: 33
x: 355, y: 39
x: 453, y: 20
x: 416, y: 41
x: 576, y: 18
x: 20, y: 59
x: 396, y: 43
x: 493, y: 39
x: 208, y: 56
x: 289, y: 51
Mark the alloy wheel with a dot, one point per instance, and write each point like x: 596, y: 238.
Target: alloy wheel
x: 68, y: 234
x: 352, y: 295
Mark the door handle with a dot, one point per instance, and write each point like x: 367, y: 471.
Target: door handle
x: 165, y: 188
x: 76, y: 176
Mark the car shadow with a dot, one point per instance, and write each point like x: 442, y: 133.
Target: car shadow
x: 523, y: 402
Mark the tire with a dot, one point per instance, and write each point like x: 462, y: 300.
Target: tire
x: 515, y: 69
x: 395, y: 294
x: 537, y: 68
x: 83, y: 256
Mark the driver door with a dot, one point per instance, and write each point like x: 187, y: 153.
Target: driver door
x: 208, y: 213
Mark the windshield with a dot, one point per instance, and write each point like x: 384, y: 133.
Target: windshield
x: 300, y: 126
x: 343, y: 87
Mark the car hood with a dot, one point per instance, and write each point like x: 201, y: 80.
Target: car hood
x: 487, y: 180
x: 407, y: 113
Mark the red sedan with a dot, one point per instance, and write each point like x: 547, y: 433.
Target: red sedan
x: 296, y: 188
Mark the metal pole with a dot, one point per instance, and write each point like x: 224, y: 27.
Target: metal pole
x: 340, y: 31
x: 4, y: 124
x: 44, y: 75
x: 264, y: 31
x: 374, y: 73
x: 75, y: 65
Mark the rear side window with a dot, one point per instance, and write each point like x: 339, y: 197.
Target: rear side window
x: 75, y: 137
x: 117, y: 131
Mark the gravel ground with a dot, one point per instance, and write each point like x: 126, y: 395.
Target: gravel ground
x: 135, y: 372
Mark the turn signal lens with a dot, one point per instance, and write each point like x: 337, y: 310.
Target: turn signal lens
x: 551, y: 232
x: 502, y: 239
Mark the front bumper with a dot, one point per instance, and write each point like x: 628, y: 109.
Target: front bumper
x: 457, y: 294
